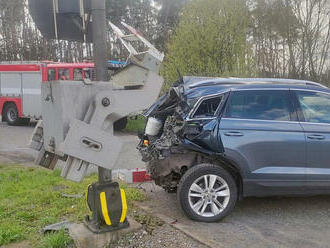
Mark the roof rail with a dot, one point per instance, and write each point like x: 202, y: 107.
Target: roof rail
x: 282, y: 81
x: 235, y: 81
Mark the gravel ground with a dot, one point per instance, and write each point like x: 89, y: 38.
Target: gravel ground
x: 155, y: 234
x: 163, y: 236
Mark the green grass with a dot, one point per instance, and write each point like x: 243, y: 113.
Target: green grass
x: 56, y: 240
x: 135, y: 125
x: 30, y: 199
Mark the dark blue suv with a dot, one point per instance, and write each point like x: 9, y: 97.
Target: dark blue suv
x: 217, y: 140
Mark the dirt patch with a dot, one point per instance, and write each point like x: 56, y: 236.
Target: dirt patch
x: 15, y: 157
x: 149, y: 222
x: 23, y: 244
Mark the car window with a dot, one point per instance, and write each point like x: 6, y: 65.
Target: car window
x: 315, y: 106
x: 51, y: 74
x: 259, y: 104
x: 77, y: 74
x: 208, y: 107
x: 63, y: 74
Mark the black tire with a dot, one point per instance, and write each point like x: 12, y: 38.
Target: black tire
x: 194, y: 174
x: 11, y: 114
x: 120, y: 124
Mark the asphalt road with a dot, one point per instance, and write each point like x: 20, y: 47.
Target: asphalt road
x: 255, y: 222
x: 14, y: 144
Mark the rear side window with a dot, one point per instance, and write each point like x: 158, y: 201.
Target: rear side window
x: 260, y: 105
x: 208, y: 107
x: 315, y: 106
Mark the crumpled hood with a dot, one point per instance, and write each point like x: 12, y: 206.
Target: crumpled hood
x: 175, y: 129
x: 185, y: 93
x: 168, y: 103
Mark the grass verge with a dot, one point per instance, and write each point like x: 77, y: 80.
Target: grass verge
x: 56, y: 240
x: 31, y: 198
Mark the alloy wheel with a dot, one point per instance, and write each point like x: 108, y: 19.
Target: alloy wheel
x: 209, y: 195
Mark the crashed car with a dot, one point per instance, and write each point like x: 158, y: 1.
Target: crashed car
x: 217, y: 140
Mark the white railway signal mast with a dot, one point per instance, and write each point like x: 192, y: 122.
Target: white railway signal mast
x: 78, y: 116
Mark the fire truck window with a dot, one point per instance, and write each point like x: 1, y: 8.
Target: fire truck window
x: 63, y: 74
x: 87, y: 73
x: 77, y: 74
x: 51, y: 74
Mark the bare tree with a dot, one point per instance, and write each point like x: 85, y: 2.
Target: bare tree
x: 292, y: 38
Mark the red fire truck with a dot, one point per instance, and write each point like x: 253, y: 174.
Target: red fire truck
x: 20, y: 86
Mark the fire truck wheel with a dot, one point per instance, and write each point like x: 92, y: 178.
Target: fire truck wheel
x: 11, y: 114
x: 120, y: 124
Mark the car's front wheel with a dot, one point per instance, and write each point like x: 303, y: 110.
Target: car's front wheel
x: 207, y: 193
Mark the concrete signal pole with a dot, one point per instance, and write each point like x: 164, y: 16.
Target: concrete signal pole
x: 100, y: 57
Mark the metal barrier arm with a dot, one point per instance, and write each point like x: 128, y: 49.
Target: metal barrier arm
x: 135, y: 36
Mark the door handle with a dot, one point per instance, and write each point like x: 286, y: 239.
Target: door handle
x: 316, y: 137
x: 234, y: 134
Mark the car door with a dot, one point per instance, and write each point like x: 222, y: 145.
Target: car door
x: 260, y: 134
x: 201, y: 126
x: 315, y: 119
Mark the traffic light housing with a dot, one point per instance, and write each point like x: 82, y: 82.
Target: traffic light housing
x: 63, y: 19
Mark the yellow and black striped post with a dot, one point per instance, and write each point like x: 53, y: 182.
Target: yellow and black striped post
x: 108, y: 205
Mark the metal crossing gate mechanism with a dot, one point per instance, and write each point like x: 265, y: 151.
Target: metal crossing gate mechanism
x: 78, y: 119
x: 78, y: 116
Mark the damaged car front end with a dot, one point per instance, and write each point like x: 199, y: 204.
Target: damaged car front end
x: 183, y: 148
x: 181, y: 132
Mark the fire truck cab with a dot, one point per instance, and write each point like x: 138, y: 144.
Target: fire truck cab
x: 20, y: 86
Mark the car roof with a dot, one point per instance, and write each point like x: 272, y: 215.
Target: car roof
x: 202, y: 86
